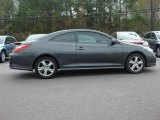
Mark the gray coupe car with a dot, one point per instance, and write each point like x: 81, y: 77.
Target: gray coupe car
x: 80, y: 49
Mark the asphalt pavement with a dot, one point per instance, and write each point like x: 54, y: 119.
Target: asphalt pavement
x: 80, y: 95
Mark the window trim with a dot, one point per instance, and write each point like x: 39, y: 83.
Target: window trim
x: 76, y: 33
x: 51, y: 39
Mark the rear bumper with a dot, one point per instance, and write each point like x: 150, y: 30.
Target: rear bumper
x: 21, y: 62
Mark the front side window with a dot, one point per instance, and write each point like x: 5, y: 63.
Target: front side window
x: 67, y: 37
x: 153, y: 36
x: 7, y: 41
x: 12, y: 40
x: 93, y: 38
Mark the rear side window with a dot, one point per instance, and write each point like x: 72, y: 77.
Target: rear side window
x: 67, y: 37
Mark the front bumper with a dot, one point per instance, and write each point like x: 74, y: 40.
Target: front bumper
x: 151, y: 60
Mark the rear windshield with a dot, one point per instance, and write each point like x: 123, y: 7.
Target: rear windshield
x: 1, y: 40
x: 34, y: 37
x: 128, y: 36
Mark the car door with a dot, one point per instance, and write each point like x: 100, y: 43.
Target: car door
x: 12, y: 43
x: 95, y: 50
x: 8, y: 45
x: 63, y: 48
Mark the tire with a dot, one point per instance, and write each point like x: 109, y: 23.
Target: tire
x: 158, y: 51
x: 3, y: 57
x: 46, y: 67
x: 135, y: 63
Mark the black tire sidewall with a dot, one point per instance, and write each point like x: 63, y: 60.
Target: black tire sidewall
x: 127, y: 63
x: 46, y: 58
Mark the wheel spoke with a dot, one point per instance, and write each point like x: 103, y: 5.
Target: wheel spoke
x: 133, y: 67
x: 50, y: 64
x: 140, y: 63
x: 136, y: 59
x: 131, y: 62
x: 45, y: 72
x: 41, y: 68
x: 44, y: 62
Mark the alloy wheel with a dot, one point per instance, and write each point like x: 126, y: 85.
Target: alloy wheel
x: 136, y: 63
x: 46, y: 68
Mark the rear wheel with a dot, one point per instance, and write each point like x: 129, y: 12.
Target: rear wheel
x: 46, y: 67
x: 135, y: 63
x: 158, y: 51
x: 3, y: 57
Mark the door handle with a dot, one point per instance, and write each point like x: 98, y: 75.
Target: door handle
x: 80, y: 48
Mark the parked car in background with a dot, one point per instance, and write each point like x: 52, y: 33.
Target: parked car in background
x: 79, y: 49
x: 130, y: 37
x: 6, y: 46
x: 34, y: 37
x: 153, y: 38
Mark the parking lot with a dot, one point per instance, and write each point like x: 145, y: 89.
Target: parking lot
x: 80, y: 95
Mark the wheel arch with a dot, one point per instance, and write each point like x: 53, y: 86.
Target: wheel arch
x: 45, y: 55
x: 3, y: 50
x: 136, y: 52
x: 157, y: 46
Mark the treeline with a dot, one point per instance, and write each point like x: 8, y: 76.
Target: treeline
x: 45, y: 16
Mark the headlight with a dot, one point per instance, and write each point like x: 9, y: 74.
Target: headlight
x: 145, y: 43
x: 148, y: 49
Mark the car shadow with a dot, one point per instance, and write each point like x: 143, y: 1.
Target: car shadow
x: 78, y: 73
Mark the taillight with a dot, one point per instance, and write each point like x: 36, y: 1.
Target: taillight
x: 21, y: 47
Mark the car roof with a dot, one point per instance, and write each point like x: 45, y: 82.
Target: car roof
x: 125, y: 32
x: 51, y: 35
x: 6, y: 36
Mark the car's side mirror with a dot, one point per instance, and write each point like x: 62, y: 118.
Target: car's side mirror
x: 114, y: 42
x: 17, y: 43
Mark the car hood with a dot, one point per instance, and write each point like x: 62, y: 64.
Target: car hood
x: 130, y: 44
x: 134, y: 41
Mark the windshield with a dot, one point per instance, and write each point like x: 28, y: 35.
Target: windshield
x: 1, y: 40
x: 128, y: 36
x: 35, y: 37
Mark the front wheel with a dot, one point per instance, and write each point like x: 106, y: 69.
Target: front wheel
x: 3, y: 57
x: 135, y: 63
x: 158, y: 51
x: 46, y: 67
